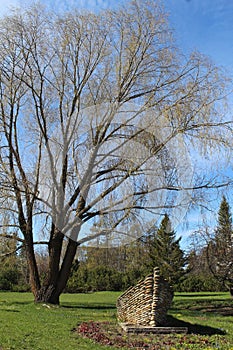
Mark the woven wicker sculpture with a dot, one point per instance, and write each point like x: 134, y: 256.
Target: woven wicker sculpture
x: 146, y: 303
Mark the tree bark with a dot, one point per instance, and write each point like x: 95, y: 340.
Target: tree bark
x: 44, y: 295
x: 33, y: 269
x: 50, y: 293
x: 65, y: 270
x: 55, y: 249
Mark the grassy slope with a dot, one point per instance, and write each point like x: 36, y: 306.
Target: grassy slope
x: 24, y: 325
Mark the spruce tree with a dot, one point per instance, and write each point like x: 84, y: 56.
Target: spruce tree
x: 224, y: 228
x: 220, y: 249
x: 165, y: 252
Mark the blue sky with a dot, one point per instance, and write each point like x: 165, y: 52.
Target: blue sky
x: 204, y: 25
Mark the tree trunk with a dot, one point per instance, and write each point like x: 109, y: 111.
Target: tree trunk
x: 65, y: 270
x: 32, y: 265
x: 45, y: 295
x: 50, y: 293
x: 55, y: 250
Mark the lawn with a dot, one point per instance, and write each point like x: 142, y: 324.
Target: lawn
x: 25, y: 325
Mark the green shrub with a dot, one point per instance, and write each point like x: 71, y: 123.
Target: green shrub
x: 4, y: 284
x: 201, y: 283
x: 100, y: 278
x: 8, y: 278
x: 21, y: 288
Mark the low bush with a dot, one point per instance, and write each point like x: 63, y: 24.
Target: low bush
x: 8, y: 278
x: 194, y: 283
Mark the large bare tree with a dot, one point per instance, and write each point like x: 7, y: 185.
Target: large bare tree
x: 96, y: 114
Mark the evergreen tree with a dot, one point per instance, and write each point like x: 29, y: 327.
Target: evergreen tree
x: 165, y: 252
x: 220, y: 249
x: 224, y: 228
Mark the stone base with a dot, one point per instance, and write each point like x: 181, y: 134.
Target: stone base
x: 131, y: 328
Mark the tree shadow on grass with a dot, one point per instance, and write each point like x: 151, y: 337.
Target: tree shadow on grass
x: 22, y: 302
x: 16, y: 303
x: 200, y: 295
x: 8, y: 310
x: 194, y: 328
x: 89, y: 306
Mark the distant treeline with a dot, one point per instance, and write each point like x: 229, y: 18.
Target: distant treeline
x: 107, y: 267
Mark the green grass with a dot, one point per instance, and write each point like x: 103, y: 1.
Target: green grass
x: 207, y: 313
x: 25, y: 325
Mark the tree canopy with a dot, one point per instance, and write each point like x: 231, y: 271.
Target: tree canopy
x: 96, y: 114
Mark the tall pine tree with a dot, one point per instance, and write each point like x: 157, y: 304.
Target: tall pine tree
x: 220, y: 249
x: 165, y: 252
